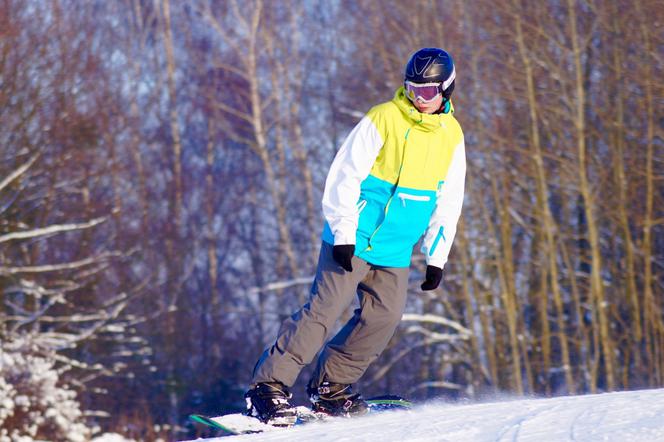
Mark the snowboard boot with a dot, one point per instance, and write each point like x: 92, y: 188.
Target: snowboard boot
x: 268, y: 401
x: 336, y: 400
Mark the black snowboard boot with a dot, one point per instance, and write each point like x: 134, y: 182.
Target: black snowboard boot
x: 336, y: 400
x: 268, y: 401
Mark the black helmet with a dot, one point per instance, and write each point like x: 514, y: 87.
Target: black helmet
x: 432, y: 65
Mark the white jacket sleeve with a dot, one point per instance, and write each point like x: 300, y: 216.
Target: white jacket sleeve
x: 449, y: 199
x: 350, y: 167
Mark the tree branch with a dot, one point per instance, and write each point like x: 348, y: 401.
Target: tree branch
x: 56, y: 267
x: 57, y: 228
x: 433, y: 319
x: 18, y: 172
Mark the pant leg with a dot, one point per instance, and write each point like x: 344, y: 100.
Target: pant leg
x: 382, y: 302
x: 303, y: 334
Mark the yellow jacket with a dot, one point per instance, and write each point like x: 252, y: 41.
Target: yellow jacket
x: 398, y: 175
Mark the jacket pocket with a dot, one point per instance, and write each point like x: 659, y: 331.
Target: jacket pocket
x: 407, y: 196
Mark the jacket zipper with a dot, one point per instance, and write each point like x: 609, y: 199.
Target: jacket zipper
x: 408, y: 196
x: 389, y: 201
x: 387, y: 206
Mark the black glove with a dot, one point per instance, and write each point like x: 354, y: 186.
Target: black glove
x: 433, y: 278
x: 343, y: 254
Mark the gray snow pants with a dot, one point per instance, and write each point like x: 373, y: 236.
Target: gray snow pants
x: 345, y: 358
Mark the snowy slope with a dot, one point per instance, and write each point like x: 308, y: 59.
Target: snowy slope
x: 625, y: 416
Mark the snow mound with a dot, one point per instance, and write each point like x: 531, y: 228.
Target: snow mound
x: 621, y: 416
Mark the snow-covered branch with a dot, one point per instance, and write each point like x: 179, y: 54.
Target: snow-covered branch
x: 18, y: 172
x: 59, y: 340
x: 57, y: 267
x: 435, y: 336
x: 31, y: 316
x: 386, y: 367
x: 280, y: 285
x: 57, y: 228
x: 389, y: 364
x: 433, y: 319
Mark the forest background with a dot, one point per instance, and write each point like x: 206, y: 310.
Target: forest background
x: 161, y: 169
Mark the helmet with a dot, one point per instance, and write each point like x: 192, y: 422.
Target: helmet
x: 432, y: 65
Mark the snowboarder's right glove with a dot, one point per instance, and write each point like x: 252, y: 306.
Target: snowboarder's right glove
x: 343, y: 254
x: 433, y: 278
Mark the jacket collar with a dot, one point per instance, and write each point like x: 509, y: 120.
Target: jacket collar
x: 426, y: 122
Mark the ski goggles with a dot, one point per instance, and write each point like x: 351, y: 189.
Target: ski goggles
x: 426, y: 92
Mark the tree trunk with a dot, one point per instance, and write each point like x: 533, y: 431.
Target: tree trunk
x: 596, y: 286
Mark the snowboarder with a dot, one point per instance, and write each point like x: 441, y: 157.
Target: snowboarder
x: 397, y: 176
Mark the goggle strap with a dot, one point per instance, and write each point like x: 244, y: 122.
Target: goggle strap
x: 412, y: 83
x: 449, y: 81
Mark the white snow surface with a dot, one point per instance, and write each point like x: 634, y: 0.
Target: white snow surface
x: 621, y: 416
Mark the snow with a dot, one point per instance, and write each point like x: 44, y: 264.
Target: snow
x: 111, y: 437
x: 622, y: 416
x: 35, y: 404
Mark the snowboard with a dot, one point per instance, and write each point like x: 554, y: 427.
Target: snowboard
x: 239, y: 423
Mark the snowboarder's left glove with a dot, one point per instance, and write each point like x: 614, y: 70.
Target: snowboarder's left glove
x: 433, y: 278
x: 343, y: 255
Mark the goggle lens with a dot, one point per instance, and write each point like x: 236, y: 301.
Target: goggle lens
x: 426, y: 92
